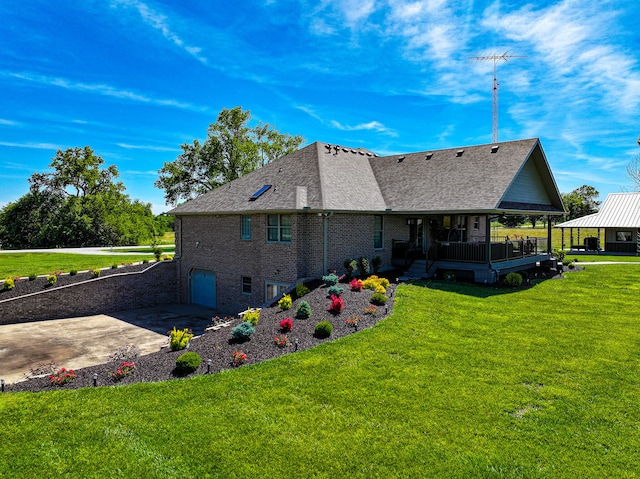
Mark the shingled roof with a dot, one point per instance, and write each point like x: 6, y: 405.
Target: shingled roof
x: 501, y: 178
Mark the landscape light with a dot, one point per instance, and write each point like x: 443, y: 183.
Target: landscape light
x: 95, y: 379
x: 208, y: 366
x: 2, y: 384
x: 296, y: 345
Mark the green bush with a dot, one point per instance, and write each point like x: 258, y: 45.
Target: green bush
x: 303, y: 311
x: 350, y: 267
x: 32, y: 277
x: 9, y: 283
x: 73, y: 272
x: 376, y: 263
x: 145, y: 261
x: 323, y: 329
x: 51, y: 279
x: 330, y: 279
x: 188, y: 362
x: 301, y: 290
x: 95, y: 272
x: 285, y: 302
x: 157, y: 252
x: 243, y: 331
x: 363, y: 266
x: 378, y: 299
x: 335, y: 290
x: 513, y: 280
x: 179, y: 338
x: 252, y: 316
x: 114, y: 266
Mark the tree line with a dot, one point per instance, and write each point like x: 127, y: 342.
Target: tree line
x: 80, y: 202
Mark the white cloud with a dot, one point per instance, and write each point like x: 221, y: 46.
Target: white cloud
x: 145, y: 147
x: 8, y: 122
x: 160, y: 22
x: 38, y: 146
x: 372, y: 126
x: 104, y: 90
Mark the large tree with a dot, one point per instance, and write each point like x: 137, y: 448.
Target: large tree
x: 78, y: 202
x: 581, y: 201
x: 232, y: 149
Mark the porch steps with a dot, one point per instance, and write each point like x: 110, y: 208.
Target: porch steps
x: 418, y: 269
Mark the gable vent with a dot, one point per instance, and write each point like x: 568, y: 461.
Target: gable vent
x: 259, y: 193
x: 494, y: 148
x: 429, y: 156
x: 459, y: 152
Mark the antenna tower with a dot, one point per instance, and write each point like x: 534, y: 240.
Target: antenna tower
x: 494, y: 110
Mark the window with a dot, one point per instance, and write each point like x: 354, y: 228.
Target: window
x: 623, y: 236
x: 378, y: 240
x: 246, y: 227
x: 274, y: 290
x: 476, y: 222
x: 246, y: 285
x: 279, y: 228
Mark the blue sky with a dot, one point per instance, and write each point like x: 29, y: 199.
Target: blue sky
x: 134, y: 79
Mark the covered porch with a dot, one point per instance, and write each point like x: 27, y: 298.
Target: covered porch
x: 469, y: 245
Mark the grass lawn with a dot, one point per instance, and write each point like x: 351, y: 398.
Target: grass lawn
x: 24, y: 264
x: 460, y: 381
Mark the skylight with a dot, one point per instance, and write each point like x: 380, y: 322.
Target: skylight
x: 259, y: 193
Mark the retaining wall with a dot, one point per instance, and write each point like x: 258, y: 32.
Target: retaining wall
x: 153, y: 286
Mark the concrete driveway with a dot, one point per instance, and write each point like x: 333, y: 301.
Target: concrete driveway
x: 79, y: 342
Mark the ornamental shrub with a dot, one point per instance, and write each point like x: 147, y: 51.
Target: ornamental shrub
x: 356, y: 284
x: 9, y: 283
x: 114, y: 266
x: 378, y: 299
x: 188, y: 362
x: 32, y: 277
x: 337, y: 304
x: 380, y: 289
x: 285, y: 302
x: 51, y: 279
x: 303, y: 311
x: 179, y: 338
x: 330, y: 279
x: 286, y: 325
x: 376, y: 263
x: 73, y: 272
x: 62, y: 376
x: 252, y: 316
x: 323, y: 329
x: 243, y: 331
x: 363, y: 266
x: 301, y: 290
x: 95, y: 272
x: 335, y: 290
x: 350, y: 267
x: 513, y: 280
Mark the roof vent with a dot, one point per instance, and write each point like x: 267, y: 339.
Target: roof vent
x: 259, y: 193
x: 429, y: 156
x: 400, y: 159
x: 327, y: 146
x: 494, y: 148
x: 459, y: 152
x: 354, y: 151
x: 345, y: 150
x: 361, y: 152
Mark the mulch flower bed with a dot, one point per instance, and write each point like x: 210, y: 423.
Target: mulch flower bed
x: 218, y: 345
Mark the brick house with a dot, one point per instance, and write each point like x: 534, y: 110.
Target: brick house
x: 244, y: 243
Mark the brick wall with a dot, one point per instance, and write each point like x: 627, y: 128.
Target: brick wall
x: 155, y: 285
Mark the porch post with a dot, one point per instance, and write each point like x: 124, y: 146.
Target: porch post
x: 562, y: 231
x: 487, y: 239
x: 549, y: 247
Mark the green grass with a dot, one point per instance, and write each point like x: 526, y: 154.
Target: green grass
x: 24, y: 264
x: 460, y: 381
x: 541, y: 232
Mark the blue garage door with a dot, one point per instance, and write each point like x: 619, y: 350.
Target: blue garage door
x: 203, y: 287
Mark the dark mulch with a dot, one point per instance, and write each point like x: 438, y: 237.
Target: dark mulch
x: 24, y: 286
x: 219, y: 347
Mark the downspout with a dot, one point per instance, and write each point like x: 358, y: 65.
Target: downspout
x: 325, y: 241
x: 177, y: 257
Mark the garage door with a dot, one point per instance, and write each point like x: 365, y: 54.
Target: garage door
x: 203, y: 287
